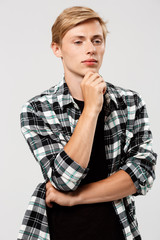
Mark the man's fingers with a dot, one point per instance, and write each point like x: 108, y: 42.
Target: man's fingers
x: 100, y: 84
x: 50, y: 190
x: 48, y: 203
x: 48, y: 185
x: 91, y: 77
x: 49, y: 199
x: 49, y: 194
x: 88, y: 74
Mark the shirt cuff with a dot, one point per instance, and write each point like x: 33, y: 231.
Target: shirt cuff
x: 139, y: 176
x: 68, y: 172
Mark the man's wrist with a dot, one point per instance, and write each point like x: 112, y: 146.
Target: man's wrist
x: 76, y: 198
x: 90, y: 113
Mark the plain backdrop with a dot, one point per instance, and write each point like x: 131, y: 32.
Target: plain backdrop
x: 28, y: 67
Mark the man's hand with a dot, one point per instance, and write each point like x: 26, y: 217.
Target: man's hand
x: 54, y: 195
x: 93, y: 87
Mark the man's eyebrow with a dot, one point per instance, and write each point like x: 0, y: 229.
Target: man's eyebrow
x: 78, y: 36
x: 98, y: 36
x: 82, y: 37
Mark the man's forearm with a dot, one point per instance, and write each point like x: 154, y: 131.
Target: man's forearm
x: 115, y: 187
x: 80, y: 144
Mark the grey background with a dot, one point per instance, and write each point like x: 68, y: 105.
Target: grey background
x: 29, y: 67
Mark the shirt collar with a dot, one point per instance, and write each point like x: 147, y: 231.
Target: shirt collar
x: 64, y: 96
x: 111, y: 95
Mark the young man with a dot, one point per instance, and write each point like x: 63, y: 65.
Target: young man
x: 92, y: 141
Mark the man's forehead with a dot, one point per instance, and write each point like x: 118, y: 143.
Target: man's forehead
x: 93, y: 28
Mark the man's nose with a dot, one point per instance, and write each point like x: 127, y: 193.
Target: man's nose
x: 90, y: 48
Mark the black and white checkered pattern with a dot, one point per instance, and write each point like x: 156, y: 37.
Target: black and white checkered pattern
x: 48, y: 121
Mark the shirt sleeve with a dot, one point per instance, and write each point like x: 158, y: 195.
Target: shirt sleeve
x: 139, y: 161
x: 47, y: 147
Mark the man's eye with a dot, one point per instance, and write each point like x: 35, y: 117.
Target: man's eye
x: 97, y: 41
x: 77, y: 42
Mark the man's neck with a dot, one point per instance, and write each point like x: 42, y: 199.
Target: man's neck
x: 73, y: 83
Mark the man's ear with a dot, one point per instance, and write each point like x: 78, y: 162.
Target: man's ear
x: 56, y: 50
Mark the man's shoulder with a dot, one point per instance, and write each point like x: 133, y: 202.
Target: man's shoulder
x: 120, y: 91
x: 49, y: 95
x: 125, y: 95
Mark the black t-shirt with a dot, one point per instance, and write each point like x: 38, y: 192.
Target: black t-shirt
x: 96, y: 221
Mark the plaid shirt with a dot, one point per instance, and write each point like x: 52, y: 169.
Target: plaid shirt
x: 48, y: 121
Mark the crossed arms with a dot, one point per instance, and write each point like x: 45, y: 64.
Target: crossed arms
x: 115, y: 187
x: 64, y: 164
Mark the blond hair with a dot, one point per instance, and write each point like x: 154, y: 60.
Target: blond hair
x: 70, y: 18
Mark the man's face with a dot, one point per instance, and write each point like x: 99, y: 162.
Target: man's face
x: 83, y: 48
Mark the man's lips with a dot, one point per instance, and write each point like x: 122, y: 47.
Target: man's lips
x: 90, y: 62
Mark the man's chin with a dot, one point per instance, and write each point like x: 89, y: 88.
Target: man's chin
x: 90, y: 70
x: 84, y: 72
